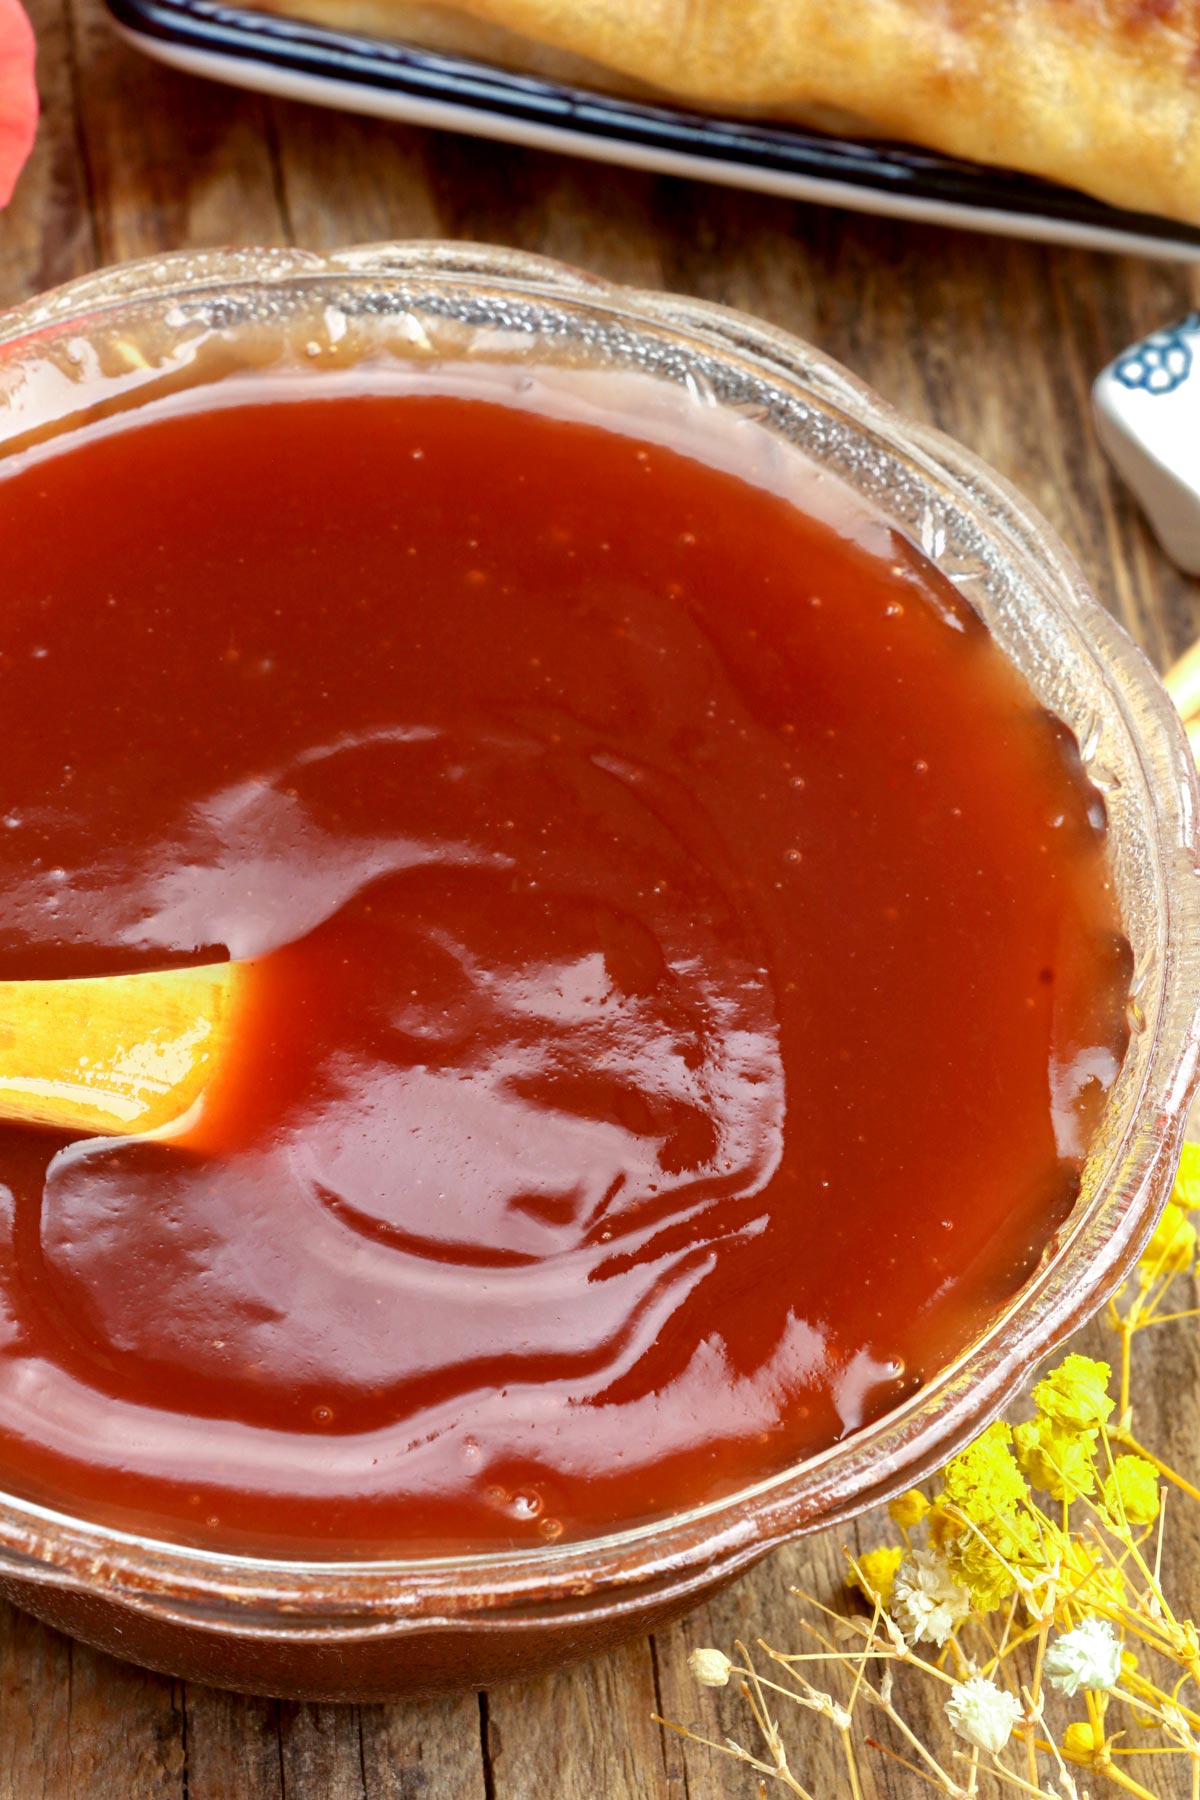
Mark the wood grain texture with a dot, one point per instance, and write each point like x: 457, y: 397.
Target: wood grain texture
x: 995, y: 342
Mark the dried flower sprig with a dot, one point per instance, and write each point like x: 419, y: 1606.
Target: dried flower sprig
x: 1027, y: 1593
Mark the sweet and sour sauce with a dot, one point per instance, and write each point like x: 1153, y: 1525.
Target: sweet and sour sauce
x: 687, y: 971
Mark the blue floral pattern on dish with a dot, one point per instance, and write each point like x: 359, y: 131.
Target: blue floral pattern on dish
x: 1161, y: 362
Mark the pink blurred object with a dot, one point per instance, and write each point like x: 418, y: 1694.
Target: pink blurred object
x: 18, y: 95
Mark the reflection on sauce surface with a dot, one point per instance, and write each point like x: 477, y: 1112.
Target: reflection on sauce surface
x: 688, y: 972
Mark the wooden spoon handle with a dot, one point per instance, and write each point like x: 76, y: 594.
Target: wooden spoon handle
x: 1183, y: 684
x: 117, y: 1055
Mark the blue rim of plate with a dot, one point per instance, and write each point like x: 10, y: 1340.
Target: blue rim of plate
x: 247, y: 40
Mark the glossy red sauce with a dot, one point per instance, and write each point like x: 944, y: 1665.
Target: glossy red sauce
x: 689, y: 971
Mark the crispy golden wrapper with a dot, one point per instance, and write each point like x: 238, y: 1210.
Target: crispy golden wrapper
x: 1101, y: 94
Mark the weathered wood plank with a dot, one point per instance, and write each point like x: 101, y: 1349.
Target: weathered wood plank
x: 320, y: 1751
x: 232, y: 1744
x: 174, y: 162
x: 345, y: 180
x: 583, y: 1733
x: 35, y: 1686
x: 429, y: 1750
x: 122, y: 1731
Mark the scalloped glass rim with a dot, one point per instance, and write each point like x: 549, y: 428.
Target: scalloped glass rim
x: 434, y: 299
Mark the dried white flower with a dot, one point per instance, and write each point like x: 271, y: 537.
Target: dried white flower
x: 927, y: 1602
x: 1087, y: 1656
x: 710, y: 1667
x: 983, y: 1714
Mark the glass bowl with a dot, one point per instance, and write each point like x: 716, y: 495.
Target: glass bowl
x: 370, y: 1629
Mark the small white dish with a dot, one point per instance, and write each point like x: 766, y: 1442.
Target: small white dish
x: 1147, y: 408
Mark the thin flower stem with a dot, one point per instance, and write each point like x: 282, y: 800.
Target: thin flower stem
x: 1144, y: 1697
x: 1155, y: 1294
x: 1035, y: 1693
x: 880, y: 1700
x: 1154, y: 1750
x: 764, y: 1681
x: 1010, y: 1778
x: 851, y: 1763
x: 882, y: 1654
x: 1028, y: 1636
x: 1095, y: 1712
x: 927, y: 1756
x: 1127, y: 1441
x: 1151, y: 1293
x: 860, y: 1662
x: 910, y: 1660
x: 895, y: 1756
x: 996, y: 1659
x: 753, y: 1695
x: 1162, y: 1522
x: 1006, y: 1634
x: 738, y: 1754
x: 1129, y: 1784
x: 1130, y: 1550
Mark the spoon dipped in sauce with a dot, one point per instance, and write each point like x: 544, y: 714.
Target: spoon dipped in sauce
x: 116, y: 1055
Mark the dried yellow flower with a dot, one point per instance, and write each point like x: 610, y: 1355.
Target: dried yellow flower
x: 985, y: 1486
x: 1186, y: 1192
x: 1172, y: 1247
x: 1131, y: 1491
x: 1057, y: 1461
x: 1080, y: 1743
x: 983, y: 1480
x: 907, y: 1510
x: 1086, y: 1580
x: 1075, y: 1395
x: 875, y: 1573
x: 990, y: 1559
x: 975, y: 1566
x: 944, y: 1525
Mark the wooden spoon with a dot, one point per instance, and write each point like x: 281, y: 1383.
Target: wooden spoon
x: 117, y: 1055
x: 1182, y: 682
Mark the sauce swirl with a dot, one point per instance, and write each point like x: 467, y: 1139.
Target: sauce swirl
x: 688, y: 970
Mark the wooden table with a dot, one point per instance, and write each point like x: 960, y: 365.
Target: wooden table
x: 995, y: 341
